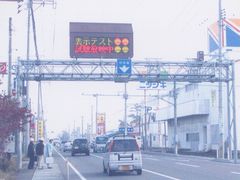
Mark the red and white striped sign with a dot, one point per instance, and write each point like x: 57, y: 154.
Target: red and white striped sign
x: 3, y: 68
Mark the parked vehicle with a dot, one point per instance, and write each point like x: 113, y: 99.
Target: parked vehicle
x: 122, y: 154
x: 67, y: 146
x: 80, y: 145
x: 100, y: 143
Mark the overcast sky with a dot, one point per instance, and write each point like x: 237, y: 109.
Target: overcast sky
x: 170, y: 30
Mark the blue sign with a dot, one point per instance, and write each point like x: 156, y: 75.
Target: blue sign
x: 124, y: 66
x: 122, y: 129
x: 130, y: 129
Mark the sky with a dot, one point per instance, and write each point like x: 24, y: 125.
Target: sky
x: 164, y: 30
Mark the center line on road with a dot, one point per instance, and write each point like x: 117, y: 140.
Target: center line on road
x: 190, y: 165
x: 236, y: 173
x: 160, y: 174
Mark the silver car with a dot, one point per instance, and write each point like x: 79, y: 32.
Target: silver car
x: 67, y: 146
x: 122, y: 154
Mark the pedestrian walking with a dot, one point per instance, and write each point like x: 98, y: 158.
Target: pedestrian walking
x: 31, y: 154
x: 40, y: 153
x: 49, y: 153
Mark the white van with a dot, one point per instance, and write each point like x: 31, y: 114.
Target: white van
x: 122, y: 154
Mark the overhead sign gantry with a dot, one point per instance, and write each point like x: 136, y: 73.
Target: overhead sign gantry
x: 105, y: 70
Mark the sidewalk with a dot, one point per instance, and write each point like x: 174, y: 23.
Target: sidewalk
x: 25, y: 173
x: 39, y: 174
x: 48, y: 174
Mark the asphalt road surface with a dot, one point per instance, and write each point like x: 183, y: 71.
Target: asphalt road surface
x: 155, y: 167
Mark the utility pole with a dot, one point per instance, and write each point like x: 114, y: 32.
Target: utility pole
x: 96, y: 96
x: 19, y: 133
x: 125, y: 107
x: 10, y: 58
x: 82, y: 126
x: 229, y: 143
x: 27, y: 125
x: 145, y: 119
x: 220, y: 119
x: 91, y: 123
x: 74, y: 130
x: 234, y: 117
x: 175, y: 119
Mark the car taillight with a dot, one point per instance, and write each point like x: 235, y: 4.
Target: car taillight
x: 113, y: 157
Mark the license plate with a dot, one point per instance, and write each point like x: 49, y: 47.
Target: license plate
x: 125, y: 168
x: 75, y: 147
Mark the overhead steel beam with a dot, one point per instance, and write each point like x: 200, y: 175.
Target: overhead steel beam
x: 105, y: 70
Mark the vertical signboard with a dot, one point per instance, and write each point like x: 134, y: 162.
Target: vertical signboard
x: 3, y: 68
x: 101, y: 40
x: 33, y: 130
x: 101, y: 123
x: 40, y: 129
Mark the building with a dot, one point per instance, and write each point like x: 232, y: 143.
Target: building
x: 198, y: 127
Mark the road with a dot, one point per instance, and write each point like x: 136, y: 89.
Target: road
x: 155, y: 167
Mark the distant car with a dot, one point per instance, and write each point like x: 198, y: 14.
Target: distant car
x: 67, y: 146
x: 80, y: 145
x: 100, y: 143
x: 122, y: 154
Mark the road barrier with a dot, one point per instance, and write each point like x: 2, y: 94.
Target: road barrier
x: 69, y: 165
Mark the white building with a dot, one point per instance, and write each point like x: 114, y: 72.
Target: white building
x: 197, y: 115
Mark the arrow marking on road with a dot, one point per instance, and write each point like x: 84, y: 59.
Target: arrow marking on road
x: 236, y: 173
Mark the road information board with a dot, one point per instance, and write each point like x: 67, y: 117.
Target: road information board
x: 101, y: 40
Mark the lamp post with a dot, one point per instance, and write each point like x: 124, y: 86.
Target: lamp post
x: 96, y: 96
x: 234, y: 115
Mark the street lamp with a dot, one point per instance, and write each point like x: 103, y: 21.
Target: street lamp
x: 96, y: 96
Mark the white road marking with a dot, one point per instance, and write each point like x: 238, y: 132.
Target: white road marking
x: 71, y: 166
x: 236, y: 173
x: 146, y: 170
x: 160, y: 174
x: 171, y: 159
x: 100, y: 157
x: 183, y: 160
x: 152, y: 159
x: 190, y: 165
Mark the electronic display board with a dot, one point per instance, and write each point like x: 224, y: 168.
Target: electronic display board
x: 101, y: 40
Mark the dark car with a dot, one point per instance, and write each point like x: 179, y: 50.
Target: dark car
x: 80, y: 145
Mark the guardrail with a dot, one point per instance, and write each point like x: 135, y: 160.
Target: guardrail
x: 69, y: 165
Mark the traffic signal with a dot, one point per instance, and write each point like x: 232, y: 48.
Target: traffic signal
x: 200, y: 55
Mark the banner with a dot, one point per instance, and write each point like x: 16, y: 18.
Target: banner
x: 101, y: 124
x: 230, y: 34
x: 3, y: 68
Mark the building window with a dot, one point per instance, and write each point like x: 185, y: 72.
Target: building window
x: 192, y: 137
